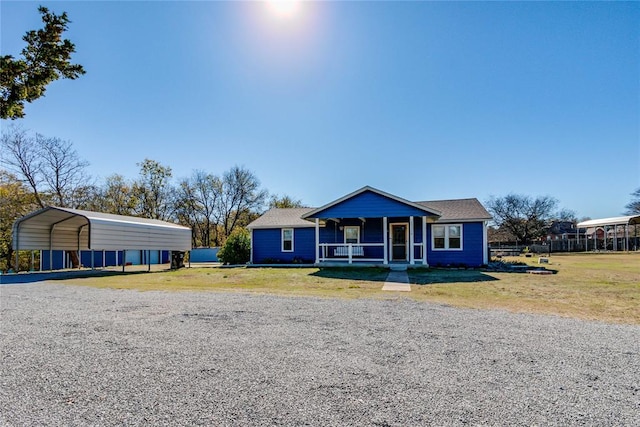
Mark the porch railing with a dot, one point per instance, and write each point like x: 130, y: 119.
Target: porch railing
x: 349, y: 252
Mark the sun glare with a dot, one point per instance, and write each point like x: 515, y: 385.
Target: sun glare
x: 283, y: 8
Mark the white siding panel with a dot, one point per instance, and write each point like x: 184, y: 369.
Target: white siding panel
x: 106, y: 232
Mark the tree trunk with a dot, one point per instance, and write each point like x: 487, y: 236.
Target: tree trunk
x: 75, y: 260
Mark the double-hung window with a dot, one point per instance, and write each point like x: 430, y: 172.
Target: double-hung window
x: 287, y: 240
x: 446, y: 237
x: 352, y: 234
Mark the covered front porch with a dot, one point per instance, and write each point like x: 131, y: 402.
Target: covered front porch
x: 386, y: 240
x: 371, y: 227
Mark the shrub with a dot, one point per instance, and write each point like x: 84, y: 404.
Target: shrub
x: 237, y: 248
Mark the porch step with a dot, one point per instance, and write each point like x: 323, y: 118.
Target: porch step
x: 398, y: 267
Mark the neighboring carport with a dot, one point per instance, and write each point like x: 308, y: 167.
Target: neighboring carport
x: 618, y: 241
x: 55, y: 228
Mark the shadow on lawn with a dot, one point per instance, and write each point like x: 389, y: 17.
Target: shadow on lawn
x: 431, y: 276
x: 370, y: 274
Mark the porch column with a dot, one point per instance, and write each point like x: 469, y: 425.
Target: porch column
x: 485, y: 244
x: 411, y: 239
x: 424, y: 240
x: 317, y: 240
x: 385, y: 240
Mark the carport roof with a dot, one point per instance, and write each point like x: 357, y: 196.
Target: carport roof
x: 618, y: 220
x: 64, y: 228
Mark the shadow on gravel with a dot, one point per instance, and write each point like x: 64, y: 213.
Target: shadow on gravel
x: 32, y: 277
x: 435, y: 276
x: 370, y: 274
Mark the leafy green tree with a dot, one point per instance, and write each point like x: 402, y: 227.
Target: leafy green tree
x: 237, y: 248
x: 16, y: 200
x: 117, y: 196
x: 153, y: 190
x: 46, y: 58
x: 633, y: 208
x: 284, y: 202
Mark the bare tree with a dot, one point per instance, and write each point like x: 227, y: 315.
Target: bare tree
x: 240, y: 195
x: 62, y: 170
x: 207, y: 191
x: 50, y: 166
x: 524, y: 217
x: 20, y: 155
x: 633, y: 208
x: 187, y: 210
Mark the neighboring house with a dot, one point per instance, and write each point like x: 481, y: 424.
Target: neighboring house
x: 563, y: 230
x: 372, y: 227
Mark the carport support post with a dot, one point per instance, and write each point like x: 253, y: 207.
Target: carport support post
x: 149, y: 260
x: 124, y: 256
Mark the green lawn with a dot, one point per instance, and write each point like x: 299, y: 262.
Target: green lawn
x: 589, y: 286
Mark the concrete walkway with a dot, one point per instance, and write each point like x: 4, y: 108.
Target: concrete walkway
x: 397, y: 281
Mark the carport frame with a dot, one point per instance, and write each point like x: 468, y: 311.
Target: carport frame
x: 145, y: 234
x: 625, y: 221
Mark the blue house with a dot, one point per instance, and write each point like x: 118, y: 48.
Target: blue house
x: 372, y: 227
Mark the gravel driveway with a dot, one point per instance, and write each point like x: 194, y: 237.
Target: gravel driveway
x: 83, y: 356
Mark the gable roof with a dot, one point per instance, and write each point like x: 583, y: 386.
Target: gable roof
x: 282, y: 217
x: 367, y: 188
x: 458, y: 209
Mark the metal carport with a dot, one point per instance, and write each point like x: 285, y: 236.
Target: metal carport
x: 615, y: 222
x: 55, y: 228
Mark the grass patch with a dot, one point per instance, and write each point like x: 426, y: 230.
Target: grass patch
x: 598, y: 287
x: 602, y: 287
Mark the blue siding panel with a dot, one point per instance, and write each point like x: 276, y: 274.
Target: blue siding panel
x: 470, y: 256
x: 267, y: 246
x: 369, y: 205
x: 204, y: 255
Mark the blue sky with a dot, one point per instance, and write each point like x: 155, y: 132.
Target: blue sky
x: 423, y: 100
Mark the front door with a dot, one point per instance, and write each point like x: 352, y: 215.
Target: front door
x: 399, y: 242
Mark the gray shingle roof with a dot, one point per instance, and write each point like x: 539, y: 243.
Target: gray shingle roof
x: 459, y: 209
x: 452, y: 210
x: 283, y: 217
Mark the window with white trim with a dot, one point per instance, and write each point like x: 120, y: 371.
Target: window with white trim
x: 352, y: 234
x: 287, y: 240
x: 446, y: 237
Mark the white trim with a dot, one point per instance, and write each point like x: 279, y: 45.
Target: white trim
x: 411, y: 241
x: 271, y: 227
x: 251, y: 246
x: 344, y: 233
x: 282, y: 249
x: 446, y: 237
x: 424, y: 240
x: 406, y: 240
